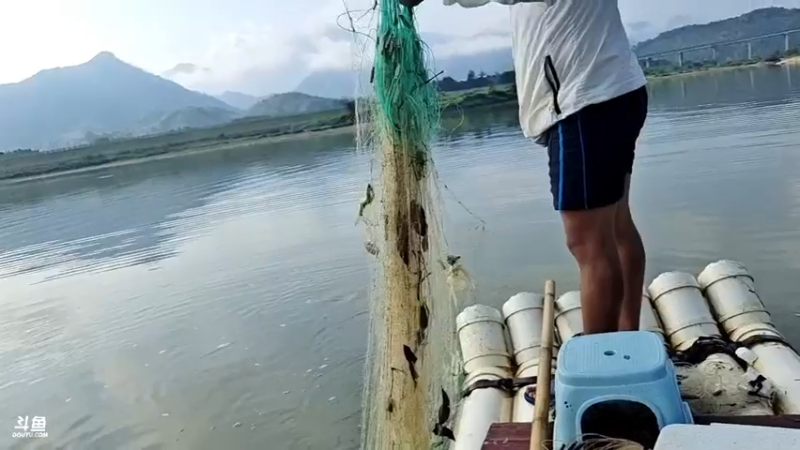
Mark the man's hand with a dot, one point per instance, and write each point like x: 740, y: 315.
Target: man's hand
x: 410, y: 3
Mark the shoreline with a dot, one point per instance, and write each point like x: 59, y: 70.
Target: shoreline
x: 704, y: 71
x: 180, y: 153
x: 789, y: 61
x: 50, y: 170
x: 470, y: 100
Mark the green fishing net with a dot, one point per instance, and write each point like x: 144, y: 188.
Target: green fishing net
x: 413, y: 361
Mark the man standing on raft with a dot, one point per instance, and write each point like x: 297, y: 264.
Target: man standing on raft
x: 582, y: 95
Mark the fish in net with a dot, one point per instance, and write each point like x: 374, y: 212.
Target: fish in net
x: 413, y: 366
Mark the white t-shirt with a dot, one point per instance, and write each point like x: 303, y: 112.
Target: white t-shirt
x: 589, y: 50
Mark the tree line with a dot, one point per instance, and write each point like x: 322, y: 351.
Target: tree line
x: 474, y: 81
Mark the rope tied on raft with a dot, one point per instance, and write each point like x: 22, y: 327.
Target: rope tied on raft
x: 510, y: 385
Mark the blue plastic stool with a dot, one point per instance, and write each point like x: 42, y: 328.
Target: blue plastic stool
x: 629, y: 366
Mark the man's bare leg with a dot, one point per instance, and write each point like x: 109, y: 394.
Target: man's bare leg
x: 632, y: 258
x: 591, y: 240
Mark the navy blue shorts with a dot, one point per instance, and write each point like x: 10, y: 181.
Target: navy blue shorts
x: 591, y: 152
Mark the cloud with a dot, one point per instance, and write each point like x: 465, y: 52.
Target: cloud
x: 679, y: 20
x: 271, y: 56
x: 185, y: 69
x: 479, y: 43
x: 275, y: 53
x: 264, y: 58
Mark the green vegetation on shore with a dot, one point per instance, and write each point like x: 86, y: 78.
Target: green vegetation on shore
x: 26, y: 163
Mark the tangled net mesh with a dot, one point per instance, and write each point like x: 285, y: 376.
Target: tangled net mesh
x: 413, y: 358
x: 717, y: 386
x: 594, y: 442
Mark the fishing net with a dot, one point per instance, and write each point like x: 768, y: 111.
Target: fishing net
x: 413, y: 361
x: 592, y: 442
x: 719, y: 386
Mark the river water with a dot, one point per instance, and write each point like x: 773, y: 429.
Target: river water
x: 219, y: 300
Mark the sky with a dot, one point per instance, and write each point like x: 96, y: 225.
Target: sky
x: 247, y: 44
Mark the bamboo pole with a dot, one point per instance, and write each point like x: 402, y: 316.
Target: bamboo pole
x: 541, y: 411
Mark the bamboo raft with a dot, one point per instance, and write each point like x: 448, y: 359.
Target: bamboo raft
x: 731, y: 366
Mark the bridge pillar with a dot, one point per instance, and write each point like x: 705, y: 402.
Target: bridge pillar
x: 647, y: 63
x: 680, y: 59
x: 786, y: 46
x: 750, y: 50
x: 713, y: 53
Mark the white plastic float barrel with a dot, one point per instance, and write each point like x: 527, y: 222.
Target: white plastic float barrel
x: 569, y: 321
x: 482, y: 336
x: 648, y: 320
x: 732, y: 293
x: 523, y: 315
x: 731, y: 290
x: 781, y: 365
x: 684, y: 312
x: 481, y: 409
x: 522, y: 410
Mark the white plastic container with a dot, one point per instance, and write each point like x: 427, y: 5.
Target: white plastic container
x: 731, y: 291
x: 648, y: 320
x: 683, y: 310
x: 522, y: 410
x: 482, y: 336
x: 781, y: 365
x: 569, y: 321
x: 725, y: 436
x: 480, y: 410
x: 523, y: 315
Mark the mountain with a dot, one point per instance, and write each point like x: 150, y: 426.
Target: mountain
x: 332, y: 83
x: 342, y: 83
x: 104, y: 95
x: 755, y: 23
x: 640, y: 31
x: 191, y: 117
x: 238, y: 99
x: 292, y: 103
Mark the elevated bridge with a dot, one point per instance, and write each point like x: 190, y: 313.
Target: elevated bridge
x: 679, y: 53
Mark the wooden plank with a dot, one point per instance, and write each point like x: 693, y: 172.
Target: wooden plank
x: 510, y: 436
x: 517, y: 436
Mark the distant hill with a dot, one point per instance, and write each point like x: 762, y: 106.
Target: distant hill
x: 754, y: 23
x: 238, y: 99
x: 190, y: 117
x: 104, y: 95
x: 342, y: 83
x: 332, y: 83
x: 292, y: 103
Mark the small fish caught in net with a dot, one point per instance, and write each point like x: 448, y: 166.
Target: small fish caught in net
x: 413, y: 367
